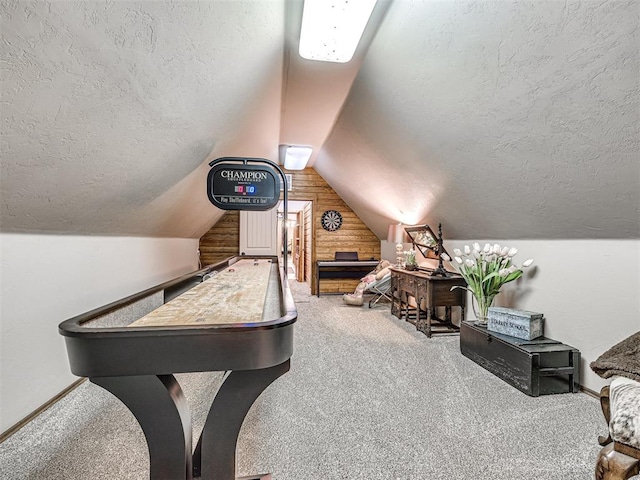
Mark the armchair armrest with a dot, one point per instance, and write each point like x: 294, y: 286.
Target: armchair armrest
x: 606, y: 410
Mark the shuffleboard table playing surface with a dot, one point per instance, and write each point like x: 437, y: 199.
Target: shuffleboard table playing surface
x: 234, y: 295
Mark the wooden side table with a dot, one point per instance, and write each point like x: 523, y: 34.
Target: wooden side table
x: 429, y: 292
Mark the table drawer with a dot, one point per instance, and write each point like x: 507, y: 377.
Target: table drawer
x: 407, y: 283
x: 443, y: 295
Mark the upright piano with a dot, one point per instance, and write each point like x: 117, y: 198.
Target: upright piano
x: 344, y: 265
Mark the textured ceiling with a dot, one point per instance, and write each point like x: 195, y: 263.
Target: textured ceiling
x: 111, y: 110
x: 498, y: 119
x: 505, y: 119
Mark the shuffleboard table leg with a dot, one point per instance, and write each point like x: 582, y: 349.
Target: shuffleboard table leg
x: 215, y: 454
x: 159, y: 405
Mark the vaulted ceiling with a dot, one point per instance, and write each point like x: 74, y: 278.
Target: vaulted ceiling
x: 510, y: 119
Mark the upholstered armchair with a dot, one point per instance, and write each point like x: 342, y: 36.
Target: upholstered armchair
x: 619, y: 458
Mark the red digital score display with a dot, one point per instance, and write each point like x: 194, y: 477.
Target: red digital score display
x: 246, y: 189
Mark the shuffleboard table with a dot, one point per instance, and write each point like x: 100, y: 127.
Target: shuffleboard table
x: 236, y: 316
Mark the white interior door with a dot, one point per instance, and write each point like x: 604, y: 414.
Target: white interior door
x: 259, y: 232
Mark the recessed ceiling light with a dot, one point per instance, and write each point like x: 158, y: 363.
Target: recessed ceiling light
x: 331, y: 29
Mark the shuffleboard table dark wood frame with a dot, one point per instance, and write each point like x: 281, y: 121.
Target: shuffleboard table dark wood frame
x: 137, y: 364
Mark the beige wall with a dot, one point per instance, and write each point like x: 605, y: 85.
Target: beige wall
x: 49, y: 278
x: 588, y: 290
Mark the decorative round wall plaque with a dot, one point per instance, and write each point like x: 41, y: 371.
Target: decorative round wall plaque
x: 331, y: 220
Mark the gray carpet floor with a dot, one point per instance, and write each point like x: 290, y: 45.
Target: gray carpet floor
x: 367, y: 397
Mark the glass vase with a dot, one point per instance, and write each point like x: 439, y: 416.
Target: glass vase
x: 481, y: 304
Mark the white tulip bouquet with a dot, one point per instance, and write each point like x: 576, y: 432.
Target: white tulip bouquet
x: 410, y: 257
x: 485, y: 271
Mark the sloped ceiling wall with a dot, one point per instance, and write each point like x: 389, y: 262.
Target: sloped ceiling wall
x: 500, y: 119
x: 111, y: 110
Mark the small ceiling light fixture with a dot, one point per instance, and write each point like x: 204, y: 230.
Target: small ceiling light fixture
x: 296, y: 157
x: 331, y: 29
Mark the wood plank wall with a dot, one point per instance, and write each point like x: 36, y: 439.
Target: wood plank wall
x: 353, y: 236
x: 221, y: 241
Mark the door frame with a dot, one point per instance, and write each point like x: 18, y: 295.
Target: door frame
x: 311, y: 198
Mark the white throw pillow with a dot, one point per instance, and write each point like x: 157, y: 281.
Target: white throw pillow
x: 624, y: 395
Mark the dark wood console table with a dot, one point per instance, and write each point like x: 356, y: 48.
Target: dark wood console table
x: 429, y: 291
x: 536, y: 367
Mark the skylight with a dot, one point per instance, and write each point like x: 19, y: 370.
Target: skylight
x: 331, y: 29
x: 296, y: 157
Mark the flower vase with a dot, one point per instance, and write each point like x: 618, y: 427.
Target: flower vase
x: 411, y: 266
x: 482, y: 311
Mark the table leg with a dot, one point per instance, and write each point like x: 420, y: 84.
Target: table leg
x: 417, y: 322
x: 404, y: 306
x: 420, y: 323
x: 215, y: 454
x: 574, y: 379
x: 535, y: 376
x: 162, y: 410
